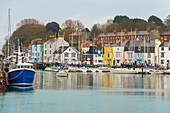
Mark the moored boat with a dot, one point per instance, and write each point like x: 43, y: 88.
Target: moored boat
x: 62, y: 73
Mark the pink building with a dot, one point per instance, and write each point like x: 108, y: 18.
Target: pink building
x: 128, y: 57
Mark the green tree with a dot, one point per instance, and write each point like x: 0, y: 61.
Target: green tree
x: 167, y: 22
x: 155, y: 20
x: 53, y: 26
x: 118, y: 19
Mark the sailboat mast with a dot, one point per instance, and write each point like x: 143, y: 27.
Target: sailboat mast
x: 121, y: 46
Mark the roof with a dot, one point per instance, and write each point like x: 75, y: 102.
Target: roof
x: 75, y: 34
x: 88, y: 44
x: 133, y: 33
x: 61, y: 49
x: 165, y: 44
x: 136, y: 43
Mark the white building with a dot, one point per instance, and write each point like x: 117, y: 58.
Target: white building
x: 51, y: 46
x: 118, y: 53
x: 98, y: 56
x: 164, y: 53
x: 67, y: 55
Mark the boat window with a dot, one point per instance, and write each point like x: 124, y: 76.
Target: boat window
x: 31, y: 67
x: 21, y: 66
x: 18, y: 66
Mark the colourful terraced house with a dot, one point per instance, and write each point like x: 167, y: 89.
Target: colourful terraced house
x: 108, y: 55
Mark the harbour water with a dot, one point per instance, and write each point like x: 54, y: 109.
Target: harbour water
x: 90, y: 93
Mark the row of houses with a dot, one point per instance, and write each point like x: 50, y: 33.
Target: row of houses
x: 151, y: 52
x: 124, y: 48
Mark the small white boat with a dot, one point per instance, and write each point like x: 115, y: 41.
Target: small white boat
x: 62, y: 73
x: 83, y: 69
x: 156, y: 72
x: 167, y: 72
x: 104, y: 69
x: 48, y: 69
x: 72, y: 69
x: 123, y: 71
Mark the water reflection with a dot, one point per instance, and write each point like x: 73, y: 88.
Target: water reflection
x: 48, y: 80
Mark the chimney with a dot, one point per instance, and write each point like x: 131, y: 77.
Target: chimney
x: 105, y: 31
x: 148, y: 29
x: 125, y: 30
x: 114, y: 30
x: 136, y: 29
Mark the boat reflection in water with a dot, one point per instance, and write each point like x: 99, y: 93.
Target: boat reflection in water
x: 112, y: 83
x: 19, y: 89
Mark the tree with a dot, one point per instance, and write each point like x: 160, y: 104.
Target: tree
x: 66, y: 32
x: 73, y: 25
x: 155, y: 20
x: 53, y: 26
x: 167, y: 21
x: 28, y: 21
x: 110, y: 27
x: 119, y: 18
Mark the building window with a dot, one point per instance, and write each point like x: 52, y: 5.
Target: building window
x: 125, y: 61
x: 117, y: 49
x: 95, y: 61
x: 162, y: 48
x: 108, y: 49
x: 139, y: 55
x: 50, y: 51
x: 129, y: 55
x: 162, y: 55
x: 162, y: 61
x: 95, y: 55
x: 165, y: 37
x: 45, y: 52
x: 117, y: 61
x: 45, y: 46
x: 73, y: 54
x: 100, y: 61
x: 66, y: 54
x: 129, y: 61
x: 169, y: 48
x: 99, y: 55
x: 108, y: 55
x: 139, y: 48
x: 149, y: 55
x: 50, y: 45
x: 149, y: 61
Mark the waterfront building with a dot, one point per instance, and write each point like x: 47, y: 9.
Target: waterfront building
x: 58, y: 42
x: 37, y: 50
x: 98, y: 56
x: 86, y: 46
x: 47, y: 51
x: 88, y: 58
x: 75, y: 37
x: 118, y: 53
x: 164, y: 53
x: 165, y: 37
x: 67, y: 55
x: 108, y: 55
x: 115, y: 37
x: 129, y: 53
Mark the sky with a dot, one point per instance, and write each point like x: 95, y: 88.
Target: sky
x: 89, y: 12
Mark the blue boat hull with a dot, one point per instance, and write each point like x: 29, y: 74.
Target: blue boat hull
x: 21, y: 78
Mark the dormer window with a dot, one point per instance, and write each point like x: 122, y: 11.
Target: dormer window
x: 139, y: 48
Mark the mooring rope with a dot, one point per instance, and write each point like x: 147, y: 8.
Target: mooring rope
x: 16, y: 76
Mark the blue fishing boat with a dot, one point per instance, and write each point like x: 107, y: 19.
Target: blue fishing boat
x: 22, y: 74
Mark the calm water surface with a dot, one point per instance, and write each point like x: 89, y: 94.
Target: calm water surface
x: 90, y: 93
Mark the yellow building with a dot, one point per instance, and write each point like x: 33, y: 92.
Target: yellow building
x: 108, y: 55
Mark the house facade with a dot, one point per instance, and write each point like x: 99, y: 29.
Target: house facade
x: 108, y: 55
x: 67, y: 55
x: 164, y: 51
x: 98, y: 55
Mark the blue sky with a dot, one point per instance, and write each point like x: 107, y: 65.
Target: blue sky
x: 89, y: 12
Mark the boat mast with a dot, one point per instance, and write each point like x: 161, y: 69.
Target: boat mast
x: 72, y: 48
x: 121, y: 46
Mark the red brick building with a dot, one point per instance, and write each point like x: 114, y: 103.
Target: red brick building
x: 165, y: 37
